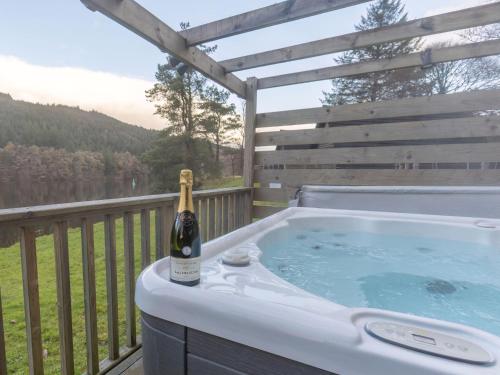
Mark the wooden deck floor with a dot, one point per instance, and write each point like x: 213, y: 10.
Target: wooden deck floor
x: 131, y: 366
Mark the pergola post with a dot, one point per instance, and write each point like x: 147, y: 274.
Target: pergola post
x: 249, y: 151
x: 250, y: 116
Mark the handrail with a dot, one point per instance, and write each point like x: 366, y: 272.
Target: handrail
x: 56, y: 211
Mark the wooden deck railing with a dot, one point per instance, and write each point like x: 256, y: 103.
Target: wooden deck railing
x: 219, y: 211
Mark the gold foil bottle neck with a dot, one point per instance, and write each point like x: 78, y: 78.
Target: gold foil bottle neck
x: 186, y: 177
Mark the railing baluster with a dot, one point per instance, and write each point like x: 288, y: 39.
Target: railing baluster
x: 225, y: 213
x: 230, y: 212
x: 238, y: 210
x: 160, y: 232
x: 89, y: 290
x: 211, y: 218
x: 145, y: 238
x: 234, y: 202
x: 128, y: 248
x: 111, y: 286
x: 169, y: 221
x: 218, y: 216
x: 247, y: 207
x: 61, y: 255
x: 203, y: 220
x: 3, y: 357
x: 242, y: 209
x: 196, y: 204
x: 31, y: 301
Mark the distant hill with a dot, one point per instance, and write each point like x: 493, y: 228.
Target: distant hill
x: 70, y: 128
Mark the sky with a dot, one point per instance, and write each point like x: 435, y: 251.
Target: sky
x: 60, y: 52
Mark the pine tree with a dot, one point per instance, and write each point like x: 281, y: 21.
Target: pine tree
x: 219, y: 118
x: 379, y: 85
x: 177, y: 99
x: 180, y: 96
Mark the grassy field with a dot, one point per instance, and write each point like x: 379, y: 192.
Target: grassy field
x: 223, y: 182
x: 12, y: 294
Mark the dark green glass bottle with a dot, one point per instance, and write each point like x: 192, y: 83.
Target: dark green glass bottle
x: 185, y: 242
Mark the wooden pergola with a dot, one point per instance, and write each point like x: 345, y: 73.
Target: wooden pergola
x: 434, y: 140
x: 290, y: 167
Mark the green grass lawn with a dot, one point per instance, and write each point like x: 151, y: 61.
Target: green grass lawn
x: 223, y: 182
x: 12, y: 296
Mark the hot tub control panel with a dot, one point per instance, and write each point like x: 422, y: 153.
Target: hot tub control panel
x: 429, y: 341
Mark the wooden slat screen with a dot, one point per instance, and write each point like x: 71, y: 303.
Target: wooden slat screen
x: 422, y: 106
x: 400, y: 142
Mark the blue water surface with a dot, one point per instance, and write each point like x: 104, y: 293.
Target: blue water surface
x: 443, y: 279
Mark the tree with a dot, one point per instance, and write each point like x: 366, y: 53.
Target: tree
x: 480, y: 33
x: 219, y: 117
x: 177, y: 99
x: 469, y: 74
x: 463, y: 75
x: 178, y: 96
x: 165, y: 161
x: 378, y: 85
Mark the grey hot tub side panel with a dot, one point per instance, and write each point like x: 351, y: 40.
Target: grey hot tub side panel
x: 164, y: 347
x: 432, y: 200
x: 171, y: 349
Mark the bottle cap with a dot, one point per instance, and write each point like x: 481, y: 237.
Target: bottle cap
x: 186, y: 177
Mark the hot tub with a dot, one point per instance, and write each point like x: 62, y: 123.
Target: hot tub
x: 332, y: 292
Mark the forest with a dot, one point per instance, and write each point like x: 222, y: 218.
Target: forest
x: 70, y: 128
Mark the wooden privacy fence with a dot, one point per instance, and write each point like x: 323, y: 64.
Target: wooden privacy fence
x: 219, y: 212
x: 435, y: 140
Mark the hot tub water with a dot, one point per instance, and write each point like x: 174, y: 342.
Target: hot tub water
x: 451, y: 280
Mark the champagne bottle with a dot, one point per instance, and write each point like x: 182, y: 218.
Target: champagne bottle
x: 185, y: 242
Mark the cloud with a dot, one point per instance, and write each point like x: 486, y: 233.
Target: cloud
x: 117, y: 96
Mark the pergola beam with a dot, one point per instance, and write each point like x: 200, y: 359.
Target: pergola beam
x: 137, y: 19
x: 462, y: 19
x: 263, y: 17
x: 424, y: 58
